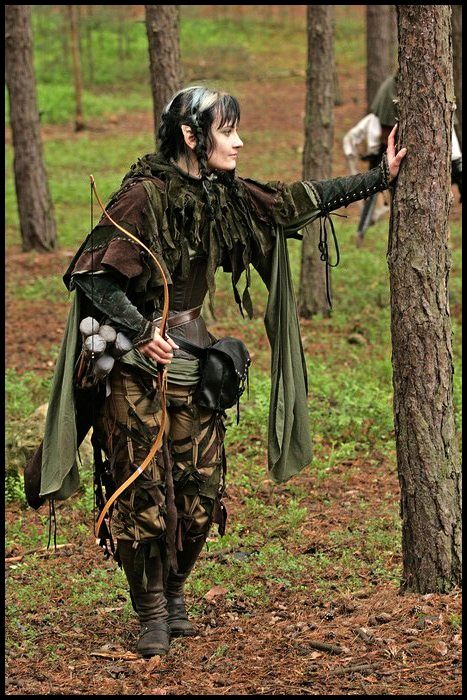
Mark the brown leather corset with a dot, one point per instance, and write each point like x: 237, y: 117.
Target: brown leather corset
x: 184, y: 294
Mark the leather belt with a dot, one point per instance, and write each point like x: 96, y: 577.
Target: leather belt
x: 182, y: 317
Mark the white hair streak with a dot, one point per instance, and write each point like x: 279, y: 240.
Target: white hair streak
x: 201, y: 98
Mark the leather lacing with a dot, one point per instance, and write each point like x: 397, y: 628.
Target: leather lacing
x: 323, y: 247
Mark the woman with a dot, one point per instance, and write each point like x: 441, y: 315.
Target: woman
x: 194, y: 214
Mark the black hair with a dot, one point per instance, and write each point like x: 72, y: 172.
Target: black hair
x: 197, y: 107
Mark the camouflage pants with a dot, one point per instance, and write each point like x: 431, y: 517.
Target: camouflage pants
x: 128, y: 426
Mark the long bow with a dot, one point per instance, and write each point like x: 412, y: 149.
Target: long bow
x: 162, y: 375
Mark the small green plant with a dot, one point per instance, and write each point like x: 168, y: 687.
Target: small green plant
x: 455, y: 620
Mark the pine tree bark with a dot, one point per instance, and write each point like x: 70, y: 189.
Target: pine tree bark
x: 418, y: 259
x: 378, y: 48
x: 35, y: 208
x: 317, y: 152
x: 162, y: 26
x: 457, y: 64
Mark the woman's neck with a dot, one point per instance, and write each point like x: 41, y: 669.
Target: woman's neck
x: 189, y: 167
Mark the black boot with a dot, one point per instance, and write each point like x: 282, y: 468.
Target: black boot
x: 143, y: 568
x: 179, y: 624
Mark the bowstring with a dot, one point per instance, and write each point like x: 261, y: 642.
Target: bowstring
x: 91, y: 217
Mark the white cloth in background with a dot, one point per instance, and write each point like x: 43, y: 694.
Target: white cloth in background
x: 364, y: 139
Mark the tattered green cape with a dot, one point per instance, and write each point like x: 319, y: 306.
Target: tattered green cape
x: 253, y: 221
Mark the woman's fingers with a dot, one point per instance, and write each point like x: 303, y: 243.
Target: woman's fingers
x: 159, y: 349
x: 152, y: 350
x: 165, y: 344
x: 391, y: 142
x: 400, y: 155
x: 394, y: 160
x: 172, y: 343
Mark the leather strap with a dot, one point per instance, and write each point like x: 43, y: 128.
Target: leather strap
x: 179, y: 319
x: 195, y: 350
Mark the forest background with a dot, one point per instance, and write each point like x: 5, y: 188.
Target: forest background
x: 316, y: 560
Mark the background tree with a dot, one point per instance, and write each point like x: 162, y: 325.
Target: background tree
x: 379, y: 48
x: 35, y: 207
x: 457, y: 64
x: 88, y: 21
x: 418, y: 258
x: 392, y: 39
x: 317, y: 152
x: 163, y: 29
x: 76, y: 62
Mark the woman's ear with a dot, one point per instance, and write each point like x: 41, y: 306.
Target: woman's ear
x: 188, y: 135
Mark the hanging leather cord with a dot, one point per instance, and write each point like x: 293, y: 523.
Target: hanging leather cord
x: 323, y: 248
x: 161, y: 383
x: 52, y: 519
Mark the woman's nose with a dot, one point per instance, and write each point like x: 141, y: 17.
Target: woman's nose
x: 238, y: 142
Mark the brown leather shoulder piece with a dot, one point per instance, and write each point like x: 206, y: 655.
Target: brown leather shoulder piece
x: 262, y: 196
x: 120, y: 254
x: 129, y: 206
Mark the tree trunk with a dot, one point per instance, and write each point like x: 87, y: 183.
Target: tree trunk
x: 35, y: 208
x: 317, y: 152
x: 378, y: 51
x: 89, y: 44
x: 418, y: 259
x: 162, y: 26
x: 76, y: 56
x: 457, y: 63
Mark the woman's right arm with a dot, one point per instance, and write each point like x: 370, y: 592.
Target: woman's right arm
x: 108, y: 297
x: 108, y: 265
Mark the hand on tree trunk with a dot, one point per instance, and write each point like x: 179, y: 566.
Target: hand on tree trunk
x: 394, y: 161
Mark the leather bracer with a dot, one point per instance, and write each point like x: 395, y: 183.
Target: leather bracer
x: 341, y: 191
x: 109, y: 298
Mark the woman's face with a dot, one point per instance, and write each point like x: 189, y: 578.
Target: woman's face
x: 226, y: 145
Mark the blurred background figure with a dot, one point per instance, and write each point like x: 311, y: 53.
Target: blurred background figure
x: 366, y: 141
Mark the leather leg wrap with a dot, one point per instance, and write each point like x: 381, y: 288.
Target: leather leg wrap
x: 144, y: 571
x: 178, y: 619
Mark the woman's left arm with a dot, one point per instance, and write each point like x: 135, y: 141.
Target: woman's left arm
x: 295, y: 205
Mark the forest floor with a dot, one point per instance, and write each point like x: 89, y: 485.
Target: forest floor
x: 371, y: 640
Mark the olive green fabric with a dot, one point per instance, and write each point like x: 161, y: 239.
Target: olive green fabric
x: 181, y: 371
x: 289, y: 438
x: 60, y: 476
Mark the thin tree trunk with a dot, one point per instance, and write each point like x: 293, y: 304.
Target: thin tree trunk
x: 317, y: 152
x: 77, y: 76
x: 418, y: 258
x: 162, y: 26
x: 378, y: 37
x: 35, y: 208
x: 89, y: 43
x: 457, y: 64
